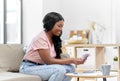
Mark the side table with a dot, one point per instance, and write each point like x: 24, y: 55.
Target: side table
x: 90, y: 75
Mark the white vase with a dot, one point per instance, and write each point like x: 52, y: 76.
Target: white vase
x: 115, y: 65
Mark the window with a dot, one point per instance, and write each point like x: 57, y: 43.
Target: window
x: 1, y: 21
x: 10, y: 23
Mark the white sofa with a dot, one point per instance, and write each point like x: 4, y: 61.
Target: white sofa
x: 10, y: 59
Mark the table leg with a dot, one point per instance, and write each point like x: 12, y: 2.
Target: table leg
x: 77, y: 79
x: 104, y: 79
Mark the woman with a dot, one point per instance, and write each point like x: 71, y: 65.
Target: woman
x: 43, y: 55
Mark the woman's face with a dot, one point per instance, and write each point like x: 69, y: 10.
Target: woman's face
x: 57, y: 29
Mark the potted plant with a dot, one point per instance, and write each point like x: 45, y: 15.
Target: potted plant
x: 115, y: 59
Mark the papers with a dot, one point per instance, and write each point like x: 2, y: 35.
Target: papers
x: 91, y: 75
x: 83, y: 74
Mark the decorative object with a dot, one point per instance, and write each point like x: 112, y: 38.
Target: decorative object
x: 115, y: 62
x: 97, y: 32
x: 79, y: 37
x: 115, y: 58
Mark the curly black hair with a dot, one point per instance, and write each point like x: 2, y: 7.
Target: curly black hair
x: 48, y: 23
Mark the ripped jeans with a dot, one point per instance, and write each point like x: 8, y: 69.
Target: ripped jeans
x: 53, y: 72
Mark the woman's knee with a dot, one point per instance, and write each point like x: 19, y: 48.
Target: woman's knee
x: 60, y: 69
x: 72, y: 68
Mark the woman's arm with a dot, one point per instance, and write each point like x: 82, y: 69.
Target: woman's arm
x: 45, y: 56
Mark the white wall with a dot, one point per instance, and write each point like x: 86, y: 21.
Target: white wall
x: 117, y: 21
x: 76, y: 13
x: 51, y: 6
x: 32, y: 22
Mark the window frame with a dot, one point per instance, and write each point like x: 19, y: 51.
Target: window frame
x: 4, y: 39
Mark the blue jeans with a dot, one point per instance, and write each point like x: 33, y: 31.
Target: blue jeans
x: 53, y: 72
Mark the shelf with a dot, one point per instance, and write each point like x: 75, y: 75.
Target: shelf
x: 99, y: 53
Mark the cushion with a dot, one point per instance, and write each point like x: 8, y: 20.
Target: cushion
x: 10, y: 57
x: 10, y: 76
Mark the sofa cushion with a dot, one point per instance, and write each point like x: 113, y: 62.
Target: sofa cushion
x: 10, y: 57
x: 10, y: 76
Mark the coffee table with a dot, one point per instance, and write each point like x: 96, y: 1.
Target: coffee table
x: 91, y: 75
